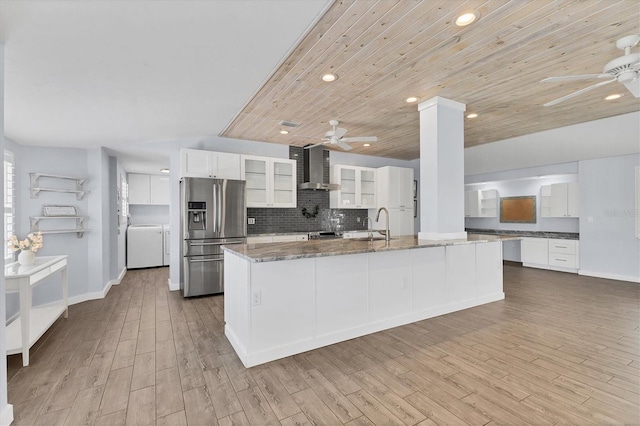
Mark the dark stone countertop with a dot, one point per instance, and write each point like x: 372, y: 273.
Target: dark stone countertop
x: 533, y: 234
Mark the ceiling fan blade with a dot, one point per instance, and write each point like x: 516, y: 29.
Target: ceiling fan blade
x: 344, y: 146
x: 360, y: 139
x: 313, y: 146
x: 634, y: 86
x: 574, y: 77
x: 579, y: 92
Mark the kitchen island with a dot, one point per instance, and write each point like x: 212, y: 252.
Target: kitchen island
x: 286, y: 298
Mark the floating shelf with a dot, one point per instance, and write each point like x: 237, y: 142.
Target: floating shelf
x: 36, y: 189
x: 80, y: 232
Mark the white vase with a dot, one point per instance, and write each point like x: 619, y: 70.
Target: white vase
x: 26, y: 257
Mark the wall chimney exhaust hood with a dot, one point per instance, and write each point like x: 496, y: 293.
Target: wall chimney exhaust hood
x: 313, y: 163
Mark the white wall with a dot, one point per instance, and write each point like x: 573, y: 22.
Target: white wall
x: 607, y: 137
x: 608, y: 244
x: 96, y: 259
x: 65, y: 162
x: 142, y: 214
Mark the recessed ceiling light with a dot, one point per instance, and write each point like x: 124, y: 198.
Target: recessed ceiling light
x: 329, y: 77
x: 366, y: 144
x: 284, y: 132
x: 612, y: 97
x: 411, y: 99
x: 466, y: 19
x: 164, y: 171
x: 472, y: 115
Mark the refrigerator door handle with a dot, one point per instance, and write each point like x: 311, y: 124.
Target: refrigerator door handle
x: 219, y: 202
x: 215, y: 244
x: 205, y: 260
x: 215, y: 208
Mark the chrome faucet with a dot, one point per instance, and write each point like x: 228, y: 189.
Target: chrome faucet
x: 387, y: 236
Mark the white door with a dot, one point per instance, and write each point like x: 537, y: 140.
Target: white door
x: 283, y: 183
x: 225, y: 165
x: 366, y: 183
x: 195, y: 163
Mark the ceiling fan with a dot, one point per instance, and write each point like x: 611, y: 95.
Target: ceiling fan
x: 624, y: 69
x: 336, y: 137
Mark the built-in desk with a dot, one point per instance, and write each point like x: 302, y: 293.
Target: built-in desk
x: 32, y: 323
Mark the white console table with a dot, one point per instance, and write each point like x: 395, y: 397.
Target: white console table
x: 33, y: 322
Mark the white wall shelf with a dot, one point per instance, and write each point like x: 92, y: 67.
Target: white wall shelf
x: 35, y: 188
x: 79, y: 229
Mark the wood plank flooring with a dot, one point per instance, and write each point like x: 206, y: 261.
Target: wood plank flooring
x: 560, y: 349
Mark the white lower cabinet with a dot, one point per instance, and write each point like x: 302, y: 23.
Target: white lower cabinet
x: 549, y: 253
x: 535, y: 251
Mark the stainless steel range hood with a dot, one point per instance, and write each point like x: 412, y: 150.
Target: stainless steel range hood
x: 313, y: 162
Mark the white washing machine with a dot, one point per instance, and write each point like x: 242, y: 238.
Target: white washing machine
x: 165, y: 244
x: 145, y: 246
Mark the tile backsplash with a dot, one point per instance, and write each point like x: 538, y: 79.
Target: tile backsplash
x: 293, y: 220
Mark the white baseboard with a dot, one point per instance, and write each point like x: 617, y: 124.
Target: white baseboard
x: 6, y: 416
x: 173, y: 286
x: 616, y: 277
x: 120, y: 277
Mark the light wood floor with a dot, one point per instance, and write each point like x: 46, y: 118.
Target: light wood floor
x: 561, y: 349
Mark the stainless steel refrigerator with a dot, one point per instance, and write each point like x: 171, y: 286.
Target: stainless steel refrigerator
x: 213, y: 214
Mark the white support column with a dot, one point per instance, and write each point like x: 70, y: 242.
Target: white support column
x: 441, y: 169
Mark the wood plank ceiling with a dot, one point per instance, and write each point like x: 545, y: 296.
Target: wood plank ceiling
x: 385, y: 51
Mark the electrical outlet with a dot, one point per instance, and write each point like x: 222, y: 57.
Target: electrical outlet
x: 256, y: 297
x: 251, y: 221
x: 357, y: 219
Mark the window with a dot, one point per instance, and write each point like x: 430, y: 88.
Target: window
x: 124, y: 200
x: 9, y: 206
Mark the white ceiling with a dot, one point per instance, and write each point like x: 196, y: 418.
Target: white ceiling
x: 116, y: 73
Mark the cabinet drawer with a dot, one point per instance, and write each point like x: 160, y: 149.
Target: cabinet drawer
x: 562, y: 246
x: 563, y: 260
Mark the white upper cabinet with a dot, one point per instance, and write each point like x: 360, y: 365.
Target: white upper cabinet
x: 481, y: 203
x: 200, y: 163
x: 271, y: 182
x: 395, y: 187
x: 357, y: 187
x: 559, y: 199
x: 148, y: 189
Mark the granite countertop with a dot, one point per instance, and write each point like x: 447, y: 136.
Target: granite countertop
x: 338, y: 247
x: 534, y: 234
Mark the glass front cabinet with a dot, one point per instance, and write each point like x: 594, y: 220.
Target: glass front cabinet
x: 271, y: 182
x: 357, y: 187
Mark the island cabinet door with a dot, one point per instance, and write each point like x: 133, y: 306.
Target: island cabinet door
x: 461, y: 274
x: 428, y: 278
x: 341, y: 293
x: 282, y: 303
x: 389, y: 294
x: 489, y: 268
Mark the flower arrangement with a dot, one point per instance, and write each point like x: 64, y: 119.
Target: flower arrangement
x: 32, y: 243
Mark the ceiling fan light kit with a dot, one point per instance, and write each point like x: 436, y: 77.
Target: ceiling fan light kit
x: 624, y: 69
x: 335, y: 137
